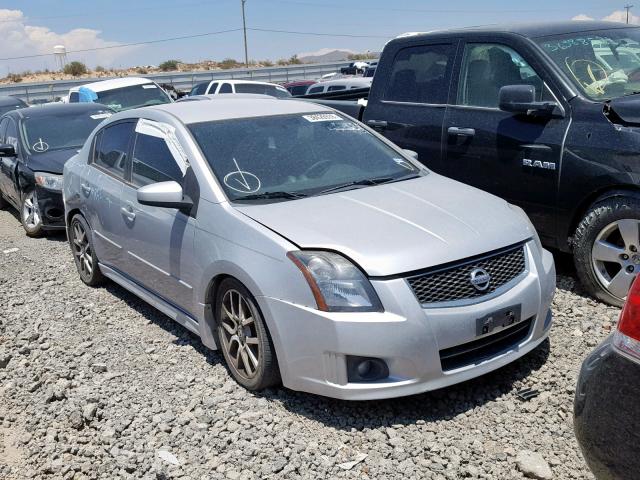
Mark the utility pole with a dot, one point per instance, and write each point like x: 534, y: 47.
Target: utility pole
x: 627, y: 8
x: 244, y: 28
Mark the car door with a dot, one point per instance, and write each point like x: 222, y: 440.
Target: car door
x: 9, y: 165
x: 410, y: 109
x: 101, y: 191
x: 514, y: 156
x: 4, y: 178
x: 159, y: 241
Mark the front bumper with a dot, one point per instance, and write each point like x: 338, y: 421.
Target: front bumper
x: 313, y: 346
x: 51, y: 208
x: 607, y: 413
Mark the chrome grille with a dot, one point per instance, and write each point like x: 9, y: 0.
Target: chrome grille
x: 453, y: 283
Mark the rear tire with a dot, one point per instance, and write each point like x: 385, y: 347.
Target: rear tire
x: 607, y: 248
x: 3, y: 202
x: 243, y: 337
x: 30, y: 215
x: 84, y: 256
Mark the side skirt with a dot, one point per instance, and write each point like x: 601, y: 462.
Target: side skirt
x: 169, y: 310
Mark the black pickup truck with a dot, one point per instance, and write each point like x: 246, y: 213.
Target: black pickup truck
x: 546, y: 116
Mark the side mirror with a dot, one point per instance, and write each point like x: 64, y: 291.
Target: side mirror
x: 7, y: 150
x: 411, y: 153
x: 522, y: 99
x: 164, y: 194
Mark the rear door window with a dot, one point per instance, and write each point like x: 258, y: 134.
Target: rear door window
x: 334, y: 88
x: 421, y: 74
x: 212, y: 88
x: 112, y: 148
x: 319, y: 89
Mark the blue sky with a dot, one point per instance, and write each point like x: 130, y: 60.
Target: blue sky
x: 89, y: 23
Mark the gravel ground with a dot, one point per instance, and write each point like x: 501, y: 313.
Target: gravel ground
x: 96, y: 384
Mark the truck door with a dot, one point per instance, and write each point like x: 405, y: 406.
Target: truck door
x: 514, y: 156
x: 409, y: 108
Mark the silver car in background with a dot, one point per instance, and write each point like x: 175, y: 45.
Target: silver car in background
x: 306, y: 247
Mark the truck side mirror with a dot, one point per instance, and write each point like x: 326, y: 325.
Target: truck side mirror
x: 522, y: 99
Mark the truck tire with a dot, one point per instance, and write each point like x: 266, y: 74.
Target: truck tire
x: 607, y: 248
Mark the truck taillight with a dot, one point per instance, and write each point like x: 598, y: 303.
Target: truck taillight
x: 627, y: 337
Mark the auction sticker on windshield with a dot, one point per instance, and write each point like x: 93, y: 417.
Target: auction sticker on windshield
x: 322, y: 117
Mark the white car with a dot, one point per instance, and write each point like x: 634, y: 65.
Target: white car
x: 347, y: 83
x: 216, y: 87
x: 120, y: 93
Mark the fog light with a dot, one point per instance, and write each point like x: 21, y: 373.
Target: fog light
x: 366, y: 369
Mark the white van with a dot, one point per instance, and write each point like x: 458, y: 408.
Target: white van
x: 120, y: 93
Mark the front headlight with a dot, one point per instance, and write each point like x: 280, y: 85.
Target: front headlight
x: 337, y: 284
x: 49, y: 181
x: 536, y: 237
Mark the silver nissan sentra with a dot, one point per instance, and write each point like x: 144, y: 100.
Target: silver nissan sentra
x: 306, y: 247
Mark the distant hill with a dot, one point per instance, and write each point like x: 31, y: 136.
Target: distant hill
x: 325, y: 55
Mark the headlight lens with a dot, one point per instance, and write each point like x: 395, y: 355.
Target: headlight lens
x: 536, y: 237
x: 337, y: 284
x: 49, y: 181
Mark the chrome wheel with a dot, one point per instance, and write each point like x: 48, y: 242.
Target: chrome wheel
x: 31, y: 212
x: 615, y: 256
x: 240, y: 334
x: 82, y: 251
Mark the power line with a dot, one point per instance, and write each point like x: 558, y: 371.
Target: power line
x: 121, y: 45
x: 319, y: 34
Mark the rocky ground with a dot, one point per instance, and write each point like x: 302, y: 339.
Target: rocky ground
x: 96, y: 384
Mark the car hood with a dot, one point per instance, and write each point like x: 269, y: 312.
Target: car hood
x: 52, y: 162
x: 398, y: 227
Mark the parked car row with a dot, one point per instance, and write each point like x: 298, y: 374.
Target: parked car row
x: 320, y: 252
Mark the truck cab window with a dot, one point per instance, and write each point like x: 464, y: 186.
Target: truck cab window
x: 420, y: 74
x: 486, y: 68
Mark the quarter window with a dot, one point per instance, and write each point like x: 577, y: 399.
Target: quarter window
x: 487, y: 67
x: 315, y: 90
x: 334, y: 88
x: 421, y: 74
x: 112, y: 146
x: 153, y: 162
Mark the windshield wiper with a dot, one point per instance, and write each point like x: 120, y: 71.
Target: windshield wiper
x: 366, y: 182
x: 272, y: 195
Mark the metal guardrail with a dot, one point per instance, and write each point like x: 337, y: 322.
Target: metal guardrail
x: 50, y: 91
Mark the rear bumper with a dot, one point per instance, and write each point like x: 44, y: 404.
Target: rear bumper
x: 607, y: 413
x: 313, y: 346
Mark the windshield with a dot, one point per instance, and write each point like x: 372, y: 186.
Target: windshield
x: 132, y: 97
x: 297, y: 155
x: 604, y: 64
x: 270, y: 90
x: 59, y: 131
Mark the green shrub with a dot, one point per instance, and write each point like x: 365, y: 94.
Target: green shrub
x: 229, y: 63
x: 75, y: 68
x: 169, y: 65
x: 100, y: 69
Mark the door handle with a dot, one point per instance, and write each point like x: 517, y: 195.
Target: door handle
x: 86, y: 189
x: 461, y: 132
x: 377, y: 123
x: 128, y: 213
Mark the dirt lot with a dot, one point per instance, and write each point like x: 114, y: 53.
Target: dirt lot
x: 96, y: 384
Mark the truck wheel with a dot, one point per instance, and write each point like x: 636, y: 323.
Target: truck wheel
x: 607, y: 248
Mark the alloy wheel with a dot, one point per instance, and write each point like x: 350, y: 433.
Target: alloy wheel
x: 615, y: 256
x: 82, y: 249
x: 31, y: 212
x: 240, y: 334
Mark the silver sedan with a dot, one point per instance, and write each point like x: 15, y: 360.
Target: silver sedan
x: 306, y: 247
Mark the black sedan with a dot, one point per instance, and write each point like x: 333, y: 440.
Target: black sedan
x: 35, y: 143
x: 607, y: 403
x: 11, y: 103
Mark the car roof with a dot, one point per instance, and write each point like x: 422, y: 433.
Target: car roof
x: 226, y: 107
x: 347, y: 81
x: 235, y: 82
x: 57, y: 109
x: 113, y: 83
x: 10, y: 101
x: 300, y: 83
x: 530, y: 30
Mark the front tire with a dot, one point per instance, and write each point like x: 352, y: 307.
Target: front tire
x: 607, y: 248
x: 243, y: 337
x: 84, y: 256
x: 30, y: 215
